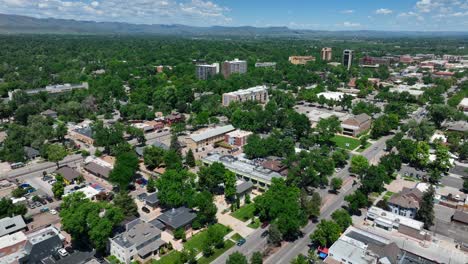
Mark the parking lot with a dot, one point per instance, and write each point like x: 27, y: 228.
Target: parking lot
x: 444, y: 226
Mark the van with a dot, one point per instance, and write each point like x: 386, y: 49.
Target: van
x: 16, y: 165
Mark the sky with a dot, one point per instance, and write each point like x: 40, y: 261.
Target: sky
x: 394, y: 15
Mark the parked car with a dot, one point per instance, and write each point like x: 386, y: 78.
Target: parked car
x: 32, y: 206
x: 145, y: 209
x: 241, y: 242
x: 44, y: 209
x: 49, y: 199
x: 264, y: 224
x: 53, y: 212
x: 62, y: 252
x: 38, y: 204
x: 265, y: 233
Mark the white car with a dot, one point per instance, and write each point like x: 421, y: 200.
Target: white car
x: 62, y: 252
x: 53, y: 212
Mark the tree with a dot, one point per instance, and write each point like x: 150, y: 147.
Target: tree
x: 336, y: 184
x: 327, y: 128
x: 326, y: 233
x: 383, y: 125
x: 363, y: 141
x: 438, y: 113
x: 356, y: 201
x: 229, y: 185
x: 420, y: 131
x: 61, y: 131
x: 87, y: 221
x: 56, y: 153
x: 7, y: 208
x: 257, y: 258
x: 176, y: 188
x: 359, y: 165
x: 124, y: 169
x: 210, y: 177
x: 465, y: 184
x: 151, y: 185
x: 213, y: 239
x: 126, y: 203
x: 58, y: 189
x: 425, y: 213
x: 153, y: 156
x: 311, y: 206
x: 274, y: 235
x: 190, y: 158
x: 18, y: 192
x: 179, y: 233
x: 342, y: 218
x: 206, y: 208
x: 442, y: 161
x: 301, y: 259
x: 236, y: 258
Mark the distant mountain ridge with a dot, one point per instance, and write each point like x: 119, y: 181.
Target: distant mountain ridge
x: 16, y: 24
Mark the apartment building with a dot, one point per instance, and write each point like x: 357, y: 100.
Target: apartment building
x: 205, y: 71
x: 265, y: 65
x: 237, y: 137
x: 347, y: 59
x: 198, y: 141
x: 234, y: 66
x: 257, y: 93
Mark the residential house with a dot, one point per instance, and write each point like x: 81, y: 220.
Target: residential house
x: 69, y: 175
x: 356, y: 125
x: 10, y: 225
x: 152, y: 200
x: 173, y: 118
x: 140, y: 242
x: 98, y: 170
x: 83, y: 134
x: 41, y: 244
x: 463, y: 105
x: 406, y: 203
x: 49, y: 113
x: 207, y: 137
x: 176, y: 218
x: 31, y: 153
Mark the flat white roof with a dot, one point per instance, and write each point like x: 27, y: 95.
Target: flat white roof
x: 10, y: 240
x: 249, y: 90
x: 387, y: 217
x: 464, y: 102
x: 239, y: 133
x: 212, y: 132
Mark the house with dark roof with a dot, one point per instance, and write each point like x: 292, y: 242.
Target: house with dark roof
x: 152, y: 200
x: 355, y: 125
x: 175, y: 218
x: 10, y: 225
x: 406, y: 203
x: 49, y: 113
x: 41, y: 244
x: 243, y: 188
x: 97, y: 170
x: 140, y: 242
x: 31, y: 153
x: 69, y: 175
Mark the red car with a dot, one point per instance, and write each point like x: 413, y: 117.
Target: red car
x: 265, y: 224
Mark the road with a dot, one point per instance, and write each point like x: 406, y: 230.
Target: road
x: 38, y: 168
x: 452, y: 180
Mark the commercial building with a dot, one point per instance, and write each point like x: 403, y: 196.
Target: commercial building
x: 205, y: 71
x: 326, y: 54
x: 198, y: 141
x: 41, y: 244
x: 301, y: 60
x: 234, y: 66
x: 10, y: 225
x: 11, y: 244
x: 347, y: 59
x: 53, y: 89
x: 245, y: 169
x: 355, y: 125
x: 406, y: 59
x: 139, y: 242
x: 265, y: 65
x: 257, y: 93
x: 368, y: 60
x: 237, y: 137
x: 357, y: 246
x: 336, y: 96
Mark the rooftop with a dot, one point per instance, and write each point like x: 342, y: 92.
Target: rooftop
x: 389, y: 217
x: 68, y: 173
x: 10, y: 225
x: 212, y: 132
x: 138, y: 232
x: 177, y: 217
x: 250, y: 90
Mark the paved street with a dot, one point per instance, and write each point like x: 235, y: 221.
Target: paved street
x: 452, y: 180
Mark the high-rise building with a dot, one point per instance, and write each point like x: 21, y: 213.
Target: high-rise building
x: 235, y: 66
x: 204, y: 71
x: 326, y: 54
x: 347, y: 58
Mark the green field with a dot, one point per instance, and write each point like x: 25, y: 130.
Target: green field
x: 236, y: 237
x: 341, y: 142
x: 173, y: 257
x: 254, y: 224
x: 196, y: 242
x: 387, y: 195
x: 244, y: 213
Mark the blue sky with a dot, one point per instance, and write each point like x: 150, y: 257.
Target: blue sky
x: 433, y: 15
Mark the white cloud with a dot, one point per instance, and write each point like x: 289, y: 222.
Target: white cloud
x: 349, y: 11
x: 191, y: 12
x: 383, y: 11
x: 350, y: 24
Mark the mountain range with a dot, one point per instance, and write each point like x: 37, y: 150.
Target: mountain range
x: 16, y: 24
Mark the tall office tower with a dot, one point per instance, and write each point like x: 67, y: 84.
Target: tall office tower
x: 326, y: 54
x: 347, y: 58
x: 235, y: 66
x: 204, y: 71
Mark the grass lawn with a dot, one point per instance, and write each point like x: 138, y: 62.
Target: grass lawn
x: 236, y: 237
x: 173, y: 257
x: 409, y: 178
x: 341, y: 142
x: 244, y: 213
x: 387, y: 195
x: 255, y: 224
x: 195, y: 243
x: 217, y: 252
